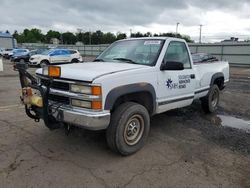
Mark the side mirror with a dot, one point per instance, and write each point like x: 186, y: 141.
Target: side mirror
x: 172, y: 65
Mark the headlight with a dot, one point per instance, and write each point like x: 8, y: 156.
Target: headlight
x: 80, y: 89
x: 80, y: 103
x: 94, y: 105
x: 90, y: 90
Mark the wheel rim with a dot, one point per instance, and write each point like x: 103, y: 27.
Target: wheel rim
x: 43, y: 64
x: 215, y: 98
x: 134, y: 129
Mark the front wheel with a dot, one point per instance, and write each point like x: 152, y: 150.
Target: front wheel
x: 129, y: 128
x: 44, y: 63
x: 210, y: 102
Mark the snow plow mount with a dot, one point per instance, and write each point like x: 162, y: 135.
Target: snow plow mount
x: 40, y: 108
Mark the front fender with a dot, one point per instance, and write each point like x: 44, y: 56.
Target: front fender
x: 117, y: 92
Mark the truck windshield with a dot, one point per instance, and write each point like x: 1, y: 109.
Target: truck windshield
x: 139, y: 51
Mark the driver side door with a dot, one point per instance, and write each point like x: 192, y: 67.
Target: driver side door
x: 176, y: 87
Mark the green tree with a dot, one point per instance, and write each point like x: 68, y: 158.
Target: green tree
x: 69, y: 38
x: 185, y: 37
x: 87, y: 38
x: 34, y: 35
x: 137, y: 35
x: 52, y: 34
x: 94, y: 38
x: 148, y: 34
x: 98, y: 37
x: 79, y: 37
x: 108, y: 38
x: 16, y: 35
x: 121, y: 36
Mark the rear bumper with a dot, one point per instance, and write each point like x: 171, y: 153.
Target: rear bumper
x: 91, y: 120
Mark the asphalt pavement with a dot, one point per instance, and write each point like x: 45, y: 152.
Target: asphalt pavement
x: 185, y: 148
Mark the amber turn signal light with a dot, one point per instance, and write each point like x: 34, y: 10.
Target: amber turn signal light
x: 96, y: 105
x: 96, y: 90
x: 54, y: 71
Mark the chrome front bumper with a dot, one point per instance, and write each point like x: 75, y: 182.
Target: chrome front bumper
x: 92, y: 120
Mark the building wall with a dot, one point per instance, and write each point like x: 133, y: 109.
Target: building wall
x: 6, y: 42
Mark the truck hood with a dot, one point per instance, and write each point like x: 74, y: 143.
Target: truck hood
x: 89, y: 71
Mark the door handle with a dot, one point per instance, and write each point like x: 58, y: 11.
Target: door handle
x: 192, y: 76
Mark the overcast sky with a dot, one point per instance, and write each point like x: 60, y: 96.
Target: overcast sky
x: 219, y: 17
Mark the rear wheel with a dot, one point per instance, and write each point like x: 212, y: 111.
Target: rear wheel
x: 210, y: 102
x: 74, y: 61
x: 128, y: 129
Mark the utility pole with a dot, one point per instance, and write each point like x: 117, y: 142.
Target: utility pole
x: 200, y: 33
x: 177, y: 24
x: 130, y: 33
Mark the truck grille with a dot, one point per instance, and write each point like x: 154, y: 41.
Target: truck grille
x: 58, y: 85
x: 60, y: 99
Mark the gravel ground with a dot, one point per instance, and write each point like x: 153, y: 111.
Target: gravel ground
x: 185, y: 148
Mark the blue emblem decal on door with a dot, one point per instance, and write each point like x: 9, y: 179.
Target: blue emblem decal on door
x: 169, y: 82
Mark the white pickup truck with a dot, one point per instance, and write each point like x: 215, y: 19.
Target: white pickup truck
x: 132, y: 80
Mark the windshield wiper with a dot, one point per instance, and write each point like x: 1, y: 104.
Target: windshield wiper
x: 125, y: 59
x: 98, y: 60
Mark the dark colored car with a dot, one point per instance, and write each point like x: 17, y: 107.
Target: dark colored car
x: 203, y: 58
x: 24, y: 57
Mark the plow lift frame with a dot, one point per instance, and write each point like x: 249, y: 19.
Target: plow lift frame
x: 35, y: 112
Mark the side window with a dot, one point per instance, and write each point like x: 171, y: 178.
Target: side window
x: 72, y: 51
x: 55, y: 53
x: 64, y: 52
x: 177, y: 51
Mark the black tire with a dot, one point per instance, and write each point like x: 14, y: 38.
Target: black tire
x: 119, y: 133
x: 74, y: 61
x: 44, y: 63
x: 210, y: 102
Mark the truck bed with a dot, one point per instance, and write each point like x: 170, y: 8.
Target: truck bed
x: 205, y: 71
